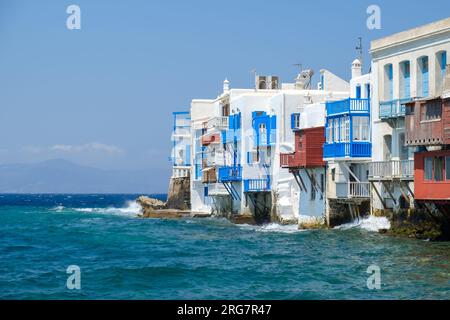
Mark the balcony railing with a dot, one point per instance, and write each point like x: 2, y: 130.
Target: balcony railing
x: 287, y: 160
x: 393, y: 108
x: 350, y: 105
x: 394, y: 169
x: 347, y: 150
x: 230, y: 174
x: 359, y: 189
x: 257, y: 185
x: 217, y: 122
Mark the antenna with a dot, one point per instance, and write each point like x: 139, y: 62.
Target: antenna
x: 359, y: 49
x: 299, y: 66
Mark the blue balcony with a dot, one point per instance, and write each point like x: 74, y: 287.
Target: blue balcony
x: 393, y: 108
x: 347, y: 150
x: 350, y: 105
x: 257, y: 185
x: 230, y: 174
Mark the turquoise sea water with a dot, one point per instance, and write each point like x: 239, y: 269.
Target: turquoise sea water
x: 124, y: 257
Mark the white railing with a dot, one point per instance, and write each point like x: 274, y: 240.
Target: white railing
x: 358, y: 189
x: 181, y: 172
x: 401, y: 169
x: 217, y: 122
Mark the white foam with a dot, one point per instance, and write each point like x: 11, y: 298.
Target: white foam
x: 132, y: 209
x: 273, y: 227
x: 370, y: 223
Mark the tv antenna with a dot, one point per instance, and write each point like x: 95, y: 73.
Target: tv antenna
x: 299, y: 66
x: 359, y: 49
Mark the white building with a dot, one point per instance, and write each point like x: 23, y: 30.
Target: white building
x: 237, y: 140
x: 405, y: 66
x: 181, y: 145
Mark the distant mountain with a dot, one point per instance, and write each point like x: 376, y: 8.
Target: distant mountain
x: 61, y: 176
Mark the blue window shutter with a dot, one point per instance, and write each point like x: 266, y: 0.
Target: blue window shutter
x: 358, y: 92
x: 391, y: 83
x: 206, y: 191
x: 368, y: 90
x: 443, y: 60
x: 406, y: 80
x: 443, y: 64
x: 425, y: 76
x: 293, y: 121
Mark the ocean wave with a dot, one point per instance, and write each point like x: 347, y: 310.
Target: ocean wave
x: 273, y: 227
x: 131, y: 209
x: 371, y: 223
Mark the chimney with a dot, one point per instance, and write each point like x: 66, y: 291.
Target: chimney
x: 356, y: 68
x: 446, y: 91
x: 226, y: 86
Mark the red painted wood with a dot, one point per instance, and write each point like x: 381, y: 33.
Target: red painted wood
x: 429, y: 190
x: 421, y: 132
x: 308, y: 149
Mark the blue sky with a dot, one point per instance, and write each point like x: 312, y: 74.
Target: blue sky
x: 102, y: 96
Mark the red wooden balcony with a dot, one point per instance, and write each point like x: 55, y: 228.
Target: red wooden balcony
x: 308, y: 150
x: 427, y: 122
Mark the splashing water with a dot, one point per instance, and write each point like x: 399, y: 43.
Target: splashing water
x: 370, y: 223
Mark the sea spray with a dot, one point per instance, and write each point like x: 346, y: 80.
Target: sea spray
x: 370, y: 223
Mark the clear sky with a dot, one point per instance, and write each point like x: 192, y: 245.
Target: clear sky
x: 102, y: 96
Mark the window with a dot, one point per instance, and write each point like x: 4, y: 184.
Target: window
x: 422, y: 78
x: 405, y: 80
x: 438, y: 168
x: 336, y: 130
x: 428, y: 168
x: 333, y: 174
x: 295, y: 120
x: 329, y: 132
x: 368, y: 90
x: 360, y: 128
x: 389, y: 84
x: 358, y: 92
x: 431, y: 111
x: 447, y: 167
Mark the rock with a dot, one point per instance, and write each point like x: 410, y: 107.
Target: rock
x: 165, y: 214
x: 179, y: 194
x: 150, y: 203
x: 242, y: 219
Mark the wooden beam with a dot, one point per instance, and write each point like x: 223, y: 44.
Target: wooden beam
x: 389, y: 191
x: 378, y: 194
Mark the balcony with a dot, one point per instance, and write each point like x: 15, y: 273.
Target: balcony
x: 230, y: 174
x: 350, y: 105
x: 217, y: 122
x: 209, y: 175
x: 287, y: 160
x: 347, y: 150
x: 390, y: 170
x: 359, y: 189
x: 210, y: 139
x: 257, y: 185
x: 393, y: 108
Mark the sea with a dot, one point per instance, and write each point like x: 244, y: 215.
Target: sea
x: 96, y: 247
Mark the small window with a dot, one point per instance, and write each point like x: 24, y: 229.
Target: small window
x: 432, y: 111
x: 333, y: 174
x: 358, y: 92
x: 438, y: 168
x: 447, y: 167
x: 428, y: 168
